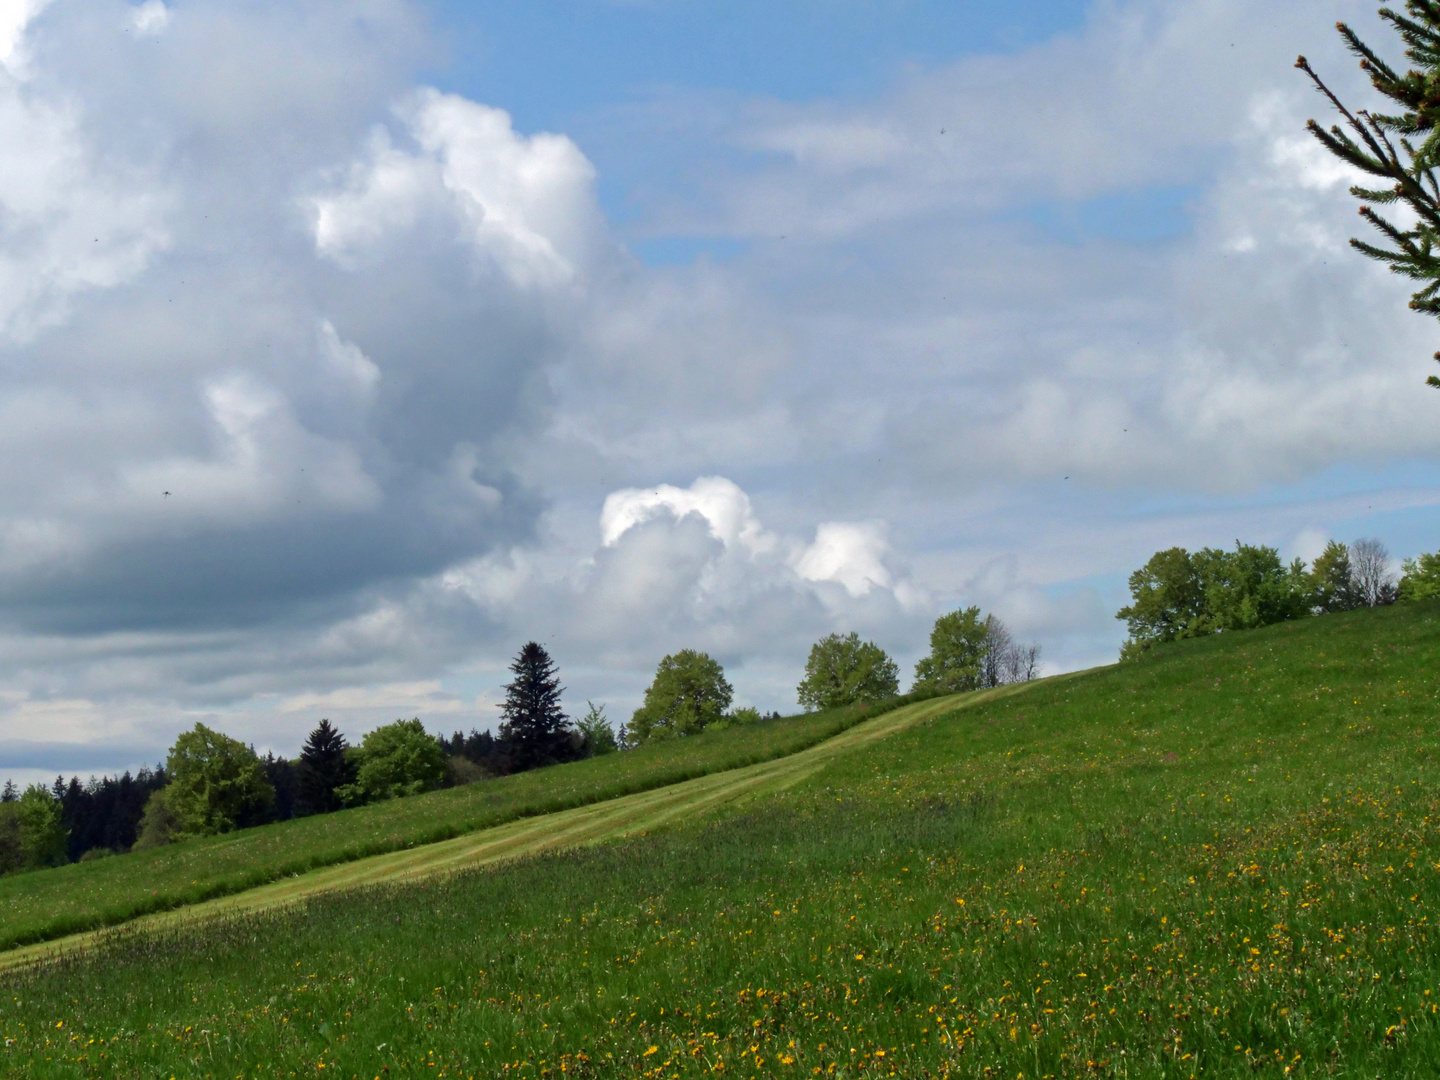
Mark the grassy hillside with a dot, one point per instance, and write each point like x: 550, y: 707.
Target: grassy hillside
x: 1219, y: 861
x: 594, y: 823
x: 50, y: 903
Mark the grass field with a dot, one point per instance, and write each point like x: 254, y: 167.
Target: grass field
x: 1220, y: 861
x: 596, y: 822
x: 50, y: 903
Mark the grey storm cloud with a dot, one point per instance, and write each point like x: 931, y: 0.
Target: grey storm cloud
x: 223, y: 418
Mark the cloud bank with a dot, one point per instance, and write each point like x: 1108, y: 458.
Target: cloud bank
x: 325, y: 391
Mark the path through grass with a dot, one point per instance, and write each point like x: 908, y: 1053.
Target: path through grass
x: 608, y: 820
x: 48, y: 904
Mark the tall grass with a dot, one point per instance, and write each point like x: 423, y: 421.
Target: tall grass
x: 1220, y: 861
x: 51, y: 903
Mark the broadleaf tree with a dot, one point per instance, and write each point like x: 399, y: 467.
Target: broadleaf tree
x: 843, y: 670
x: 1399, y: 148
x: 968, y: 652
x: 1332, y: 585
x: 596, y: 732
x: 1421, y: 580
x: 393, y: 761
x: 1182, y: 594
x: 688, y: 694
x: 957, y: 651
x: 216, y: 783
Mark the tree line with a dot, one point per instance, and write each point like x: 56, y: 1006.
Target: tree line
x: 211, y: 783
x: 1182, y: 594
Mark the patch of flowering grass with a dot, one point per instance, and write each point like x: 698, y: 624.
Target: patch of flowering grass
x: 1220, y: 862
x: 51, y: 903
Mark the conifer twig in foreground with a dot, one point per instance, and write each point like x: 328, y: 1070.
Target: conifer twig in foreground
x: 1408, y: 160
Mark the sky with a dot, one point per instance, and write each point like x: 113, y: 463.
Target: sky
x: 344, y: 348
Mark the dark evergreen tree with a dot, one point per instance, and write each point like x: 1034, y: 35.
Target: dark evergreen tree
x: 322, y: 769
x: 283, y: 776
x: 534, y: 729
x: 9, y: 794
x: 1401, y: 149
x: 105, y: 813
x: 481, y: 748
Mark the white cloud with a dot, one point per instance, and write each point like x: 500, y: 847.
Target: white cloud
x: 150, y: 18
x: 848, y: 554
x: 15, y: 18
x: 68, y: 223
x: 524, y: 202
x: 347, y: 361
x: 725, y: 508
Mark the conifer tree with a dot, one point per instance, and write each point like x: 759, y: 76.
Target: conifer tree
x: 533, y: 726
x: 1400, y: 148
x: 323, y: 768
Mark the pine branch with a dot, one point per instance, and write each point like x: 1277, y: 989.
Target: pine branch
x: 1365, y: 143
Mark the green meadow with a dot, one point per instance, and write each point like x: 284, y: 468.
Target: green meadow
x: 47, y: 904
x: 1220, y: 860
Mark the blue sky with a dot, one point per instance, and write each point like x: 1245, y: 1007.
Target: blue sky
x: 555, y: 62
x: 588, y: 68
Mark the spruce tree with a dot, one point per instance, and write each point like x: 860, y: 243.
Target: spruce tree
x: 1401, y: 148
x: 323, y: 768
x: 533, y: 726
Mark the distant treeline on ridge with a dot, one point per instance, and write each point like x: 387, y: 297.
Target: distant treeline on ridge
x: 211, y: 783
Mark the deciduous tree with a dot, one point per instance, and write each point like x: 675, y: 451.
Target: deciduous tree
x: 1332, y: 586
x: 393, y: 761
x: 42, y: 832
x: 216, y: 783
x: 957, y: 650
x: 1370, y: 573
x: 1422, y: 578
x: 845, y: 670
x: 1178, y: 594
x: 688, y: 694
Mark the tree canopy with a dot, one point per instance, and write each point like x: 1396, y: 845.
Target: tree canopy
x: 957, y: 648
x: 393, y: 761
x: 845, y: 670
x: 688, y: 694
x: 596, y: 732
x: 32, y: 834
x: 1182, y: 594
x: 1421, y: 580
x: 216, y: 783
x: 968, y: 652
x: 1400, y: 148
x: 1332, y: 583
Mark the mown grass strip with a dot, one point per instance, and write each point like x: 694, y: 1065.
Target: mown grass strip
x: 48, y: 904
x: 590, y: 824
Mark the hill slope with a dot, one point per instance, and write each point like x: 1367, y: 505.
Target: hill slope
x: 1220, y: 861
x: 47, y: 904
x: 588, y: 824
